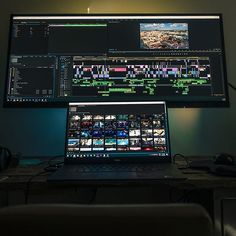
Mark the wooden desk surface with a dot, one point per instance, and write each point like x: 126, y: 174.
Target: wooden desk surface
x: 19, y: 176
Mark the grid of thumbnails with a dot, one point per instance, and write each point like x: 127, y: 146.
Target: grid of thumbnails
x: 114, y: 133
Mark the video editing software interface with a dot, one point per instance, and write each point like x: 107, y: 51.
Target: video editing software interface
x: 60, y: 59
x: 116, y: 130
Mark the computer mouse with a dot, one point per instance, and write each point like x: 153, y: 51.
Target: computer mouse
x: 224, y: 159
x: 223, y: 170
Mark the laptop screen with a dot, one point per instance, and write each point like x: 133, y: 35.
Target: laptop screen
x: 117, y: 131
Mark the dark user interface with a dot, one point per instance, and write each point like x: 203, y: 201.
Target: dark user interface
x: 105, y: 131
x: 69, y: 59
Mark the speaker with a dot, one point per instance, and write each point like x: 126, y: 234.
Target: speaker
x: 5, y: 158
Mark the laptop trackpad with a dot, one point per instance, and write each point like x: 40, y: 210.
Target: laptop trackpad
x: 108, y: 175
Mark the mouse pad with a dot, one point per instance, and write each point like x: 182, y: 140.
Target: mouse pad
x: 222, y: 170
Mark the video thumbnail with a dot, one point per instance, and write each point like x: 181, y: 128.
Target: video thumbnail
x: 73, y: 133
x: 110, y: 117
x: 147, y: 148
x: 110, y: 124
x: 98, y: 142
x: 159, y: 132
x: 110, y: 141
x: 134, y: 132
x: 97, y: 133
x: 72, y: 149
x: 110, y: 149
x: 160, y: 148
x: 75, y: 118
x: 72, y: 143
x: 85, y: 134
x: 134, y: 124
x: 134, y: 117
x: 164, y: 36
x: 87, y: 117
x: 146, y: 124
x: 85, y: 142
x: 98, y: 125
x: 156, y: 124
x: 122, y: 117
x: 159, y: 141
x: 123, y: 142
x: 98, y: 117
x: 147, y: 142
x: 135, y: 148
x: 110, y: 133
x: 122, y: 133
x: 122, y: 148
x: 146, y: 116
x: 147, y: 133
x: 158, y: 116
x: 85, y: 149
x: 86, y: 124
x: 74, y: 124
x: 122, y: 124
x: 98, y: 148
x: 135, y: 142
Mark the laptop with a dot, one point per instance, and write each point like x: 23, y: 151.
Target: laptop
x: 117, y: 141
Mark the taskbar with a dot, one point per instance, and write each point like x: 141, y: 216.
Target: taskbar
x: 115, y: 155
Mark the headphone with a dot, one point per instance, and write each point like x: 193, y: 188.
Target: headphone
x: 5, y: 157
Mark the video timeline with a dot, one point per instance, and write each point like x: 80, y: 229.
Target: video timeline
x: 123, y: 132
x: 142, y: 76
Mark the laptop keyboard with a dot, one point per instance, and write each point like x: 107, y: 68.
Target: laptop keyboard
x: 118, y: 168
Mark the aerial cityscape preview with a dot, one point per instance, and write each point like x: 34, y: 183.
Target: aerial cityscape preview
x: 164, y: 36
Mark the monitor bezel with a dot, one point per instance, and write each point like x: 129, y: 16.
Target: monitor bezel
x: 170, y: 104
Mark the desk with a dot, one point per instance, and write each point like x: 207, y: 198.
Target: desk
x: 19, y: 176
x: 199, y: 187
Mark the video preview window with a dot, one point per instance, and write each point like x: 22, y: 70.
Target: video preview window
x: 164, y: 36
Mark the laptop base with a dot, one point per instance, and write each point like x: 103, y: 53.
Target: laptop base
x: 74, y: 173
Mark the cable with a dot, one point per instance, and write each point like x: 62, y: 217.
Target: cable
x: 184, y: 196
x: 93, y: 196
x: 232, y: 86
x: 49, y: 168
x: 53, y: 158
x: 184, y: 157
x: 90, y: 196
x: 29, y: 182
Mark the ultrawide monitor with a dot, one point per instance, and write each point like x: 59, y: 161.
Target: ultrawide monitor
x: 58, y: 59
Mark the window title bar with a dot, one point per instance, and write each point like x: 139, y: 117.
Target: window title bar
x: 111, y: 17
x: 115, y: 103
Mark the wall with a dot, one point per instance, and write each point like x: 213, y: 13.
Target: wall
x: 40, y: 132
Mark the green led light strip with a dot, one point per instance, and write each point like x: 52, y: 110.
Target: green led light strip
x: 85, y: 25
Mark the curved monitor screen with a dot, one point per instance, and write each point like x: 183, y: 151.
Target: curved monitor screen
x: 54, y: 60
